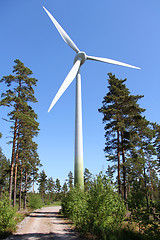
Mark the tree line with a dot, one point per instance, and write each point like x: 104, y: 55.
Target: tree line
x: 51, y: 191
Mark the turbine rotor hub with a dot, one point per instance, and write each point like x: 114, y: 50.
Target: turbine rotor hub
x: 82, y: 56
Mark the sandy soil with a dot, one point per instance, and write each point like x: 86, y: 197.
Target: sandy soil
x: 45, y: 224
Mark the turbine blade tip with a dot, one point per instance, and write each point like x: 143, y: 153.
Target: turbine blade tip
x: 45, y: 9
x: 138, y: 68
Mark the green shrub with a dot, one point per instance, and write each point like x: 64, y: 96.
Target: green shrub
x: 35, y: 201
x: 75, y: 207
x: 7, y: 214
x: 99, y: 211
x: 107, y: 210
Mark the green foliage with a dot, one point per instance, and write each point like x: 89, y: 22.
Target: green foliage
x: 50, y: 190
x: 144, y: 212
x: 56, y: 204
x: 35, y: 201
x: 18, y: 95
x: 147, y: 219
x: 70, y: 180
x: 133, y: 148
x: 4, y: 172
x: 58, y: 189
x: 136, y: 198
x: 147, y: 224
x: 64, y: 188
x: 42, y: 184
x: 107, y: 210
x: 75, y: 207
x: 87, y: 179
x: 99, y: 210
x: 7, y: 214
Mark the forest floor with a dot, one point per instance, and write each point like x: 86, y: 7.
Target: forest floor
x: 46, y: 224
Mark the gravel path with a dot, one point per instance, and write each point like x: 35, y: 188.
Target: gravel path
x: 44, y: 224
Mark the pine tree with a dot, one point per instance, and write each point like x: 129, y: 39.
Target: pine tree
x: 87, y: 179
x: 110, y: 173
x: 132, y: 144
x: 64, y: 188
x: 144, y: 158
x: 42, y: 184
x: 51, y: 188
x: 28, y: 156
x: 20, y: 92
x: 120, y: 111
x: 70, y: 180
x: 26, y: 150
x: 58, y: 189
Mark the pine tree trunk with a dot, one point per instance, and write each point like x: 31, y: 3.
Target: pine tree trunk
x: 42, y: 197
x: 129, y: 189
x: 124, y: 169
x: 20, y: 190
x: 33, y: 182
x: 33, y: 186
x: 12, y: 161
x: 15, y: 183
x: 13, y: 149
x: 15, y: 177
x: 118, y: 155
x: 25, y: 192
x: 152, y: 197
x: 146, y: 188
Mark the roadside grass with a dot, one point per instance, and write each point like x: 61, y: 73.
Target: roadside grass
x: 58, y: 203
x: 125, y: 232
x: 130, y: 231
x: 19, y: 216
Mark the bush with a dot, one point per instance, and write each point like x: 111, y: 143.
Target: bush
x: 7, y: 214
x: 107, y: 210
x: 75, y: 207
x: 35, y: 201
x: 99, y: 211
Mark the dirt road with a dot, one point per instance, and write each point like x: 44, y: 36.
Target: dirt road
x: 45, y: 224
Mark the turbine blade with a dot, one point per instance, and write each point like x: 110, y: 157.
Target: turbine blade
x: 70, y: 77
x: 63, y: 34
x: 107, y: 60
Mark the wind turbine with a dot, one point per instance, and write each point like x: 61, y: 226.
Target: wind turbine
x: 80, y: 58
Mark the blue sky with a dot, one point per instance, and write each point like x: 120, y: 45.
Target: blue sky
x: 126, y: 31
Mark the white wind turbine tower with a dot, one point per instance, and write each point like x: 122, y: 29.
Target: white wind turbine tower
x: 80, y: 58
